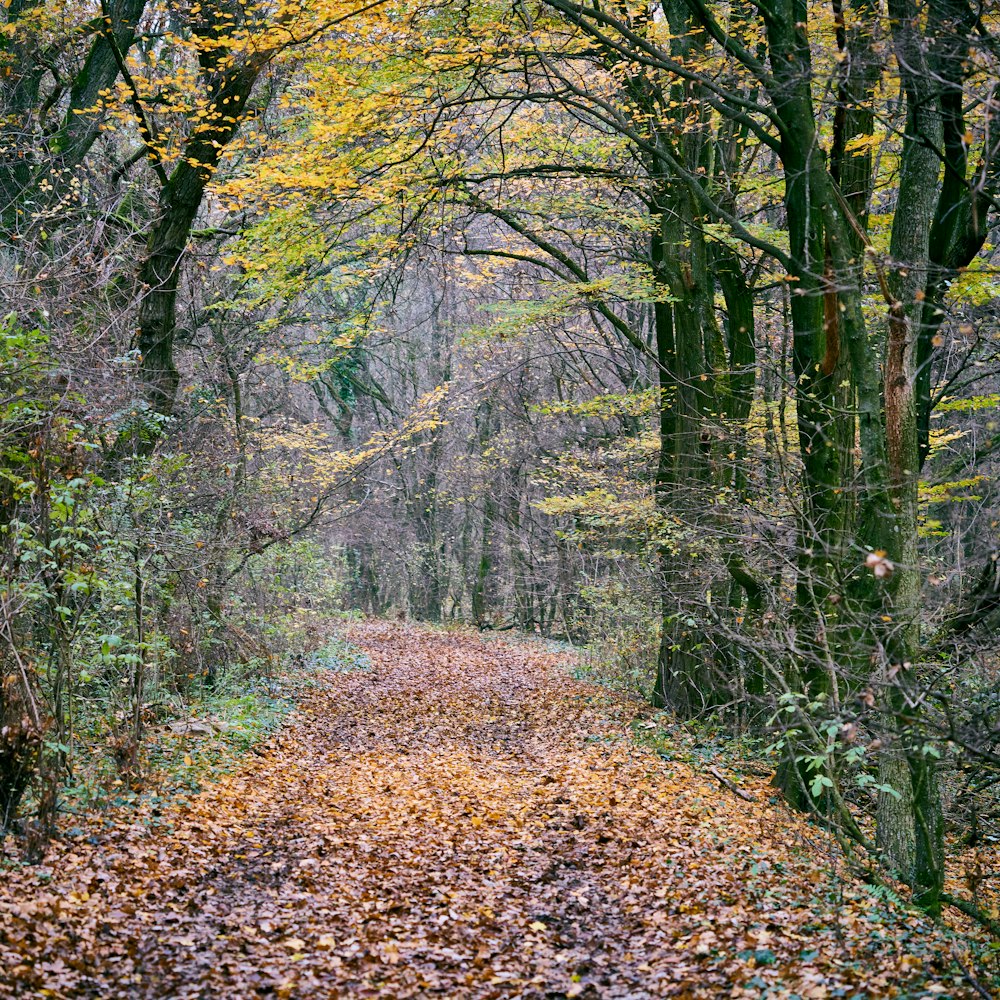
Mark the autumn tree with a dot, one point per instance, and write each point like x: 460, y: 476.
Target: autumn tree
x: 132, y: 480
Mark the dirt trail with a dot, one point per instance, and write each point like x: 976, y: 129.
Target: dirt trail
x: 461, y: 821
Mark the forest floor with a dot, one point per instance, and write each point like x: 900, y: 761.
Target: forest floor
x: 463, y: 819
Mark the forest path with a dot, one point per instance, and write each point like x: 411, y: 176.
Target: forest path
x: 463, y: 820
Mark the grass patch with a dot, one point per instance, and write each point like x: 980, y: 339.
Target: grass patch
x: 703, y: 744
x: 339, y: 656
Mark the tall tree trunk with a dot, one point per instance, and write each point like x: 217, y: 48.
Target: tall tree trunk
x: 910, y: 249
x: 690, y: 358
x: 228, y: 85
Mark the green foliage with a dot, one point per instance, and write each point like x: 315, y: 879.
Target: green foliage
x: 606, y: 406
x: 705, y: 742
x: 340, y: 656
x: 624, y: 635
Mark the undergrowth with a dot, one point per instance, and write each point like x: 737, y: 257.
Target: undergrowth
x: 242, y: 710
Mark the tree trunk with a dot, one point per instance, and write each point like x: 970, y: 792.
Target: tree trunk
x: 228, y: 87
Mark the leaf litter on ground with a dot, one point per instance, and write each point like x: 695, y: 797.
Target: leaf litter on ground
x: 460, y: 819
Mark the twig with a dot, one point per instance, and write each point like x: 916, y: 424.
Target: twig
x: 732, y: 786
x: 975, y: 983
